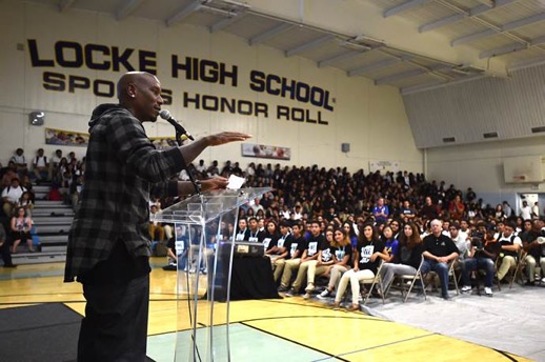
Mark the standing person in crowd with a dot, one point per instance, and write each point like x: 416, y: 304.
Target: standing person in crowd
x: 367, y: 257
x: 456, y: 208
x: 111, y: 259
x: 439, y: 251
x: 20, y: 225
x: 381, y: 212
x: 526, y: 211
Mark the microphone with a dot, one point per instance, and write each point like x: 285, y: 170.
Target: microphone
x: 164, y: 114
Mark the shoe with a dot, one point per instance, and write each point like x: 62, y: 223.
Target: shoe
x: 530, y: 283
x: 353, y: 308
x: 291, y: 293
x: 336, y: 305
x: 445, y: 296
x: 466, y: 289
x: 543, y: 280
x: 310, y: 287
x: 324, y: 294
x: 488, y: 291
x: 306, y: 295
x: 10, y: 266
x: 282, y: 289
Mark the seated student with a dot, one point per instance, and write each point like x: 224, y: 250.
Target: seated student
x: 439, y: 251
x: 323, y: 264
x: 343, y: 259
x: 370, y: 251
x: 390, y: 243
x: 314, y: 244
x: 482, y: 254
x: 243, y: 233
x: 530, y: 244
x: 21, y: 224
x: 11, y: 196
x: 155, y: 229
x: 40, y: 166
x: 281, y: 251
x: 26, y: 202
x: 510, y: 247
x: 254, y: 234
x: 270, y: 238
x: 293, y: 257
x: 409, y: 256
x: 20, y: 162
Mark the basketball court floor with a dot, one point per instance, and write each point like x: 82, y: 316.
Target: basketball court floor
x: 293, y: 329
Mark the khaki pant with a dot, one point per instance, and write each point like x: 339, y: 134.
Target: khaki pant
x: 153, y: 229
x: 290, y: 266
x: 354, y: 277
x: 531, y: 267
x: 508, y: 262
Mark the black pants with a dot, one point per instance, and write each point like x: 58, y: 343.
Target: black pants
x: 116, y: 322
x: 5, y: 253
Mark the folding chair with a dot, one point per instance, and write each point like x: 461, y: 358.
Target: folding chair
x: 517, y: 271
x: 413, y: 278
x: 376, y: 280
x: 452, y: 274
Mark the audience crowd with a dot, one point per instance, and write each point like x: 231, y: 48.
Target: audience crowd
x: 346, y: 227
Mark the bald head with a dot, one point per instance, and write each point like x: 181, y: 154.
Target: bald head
x: 132, y: 79
x: 140, y: 93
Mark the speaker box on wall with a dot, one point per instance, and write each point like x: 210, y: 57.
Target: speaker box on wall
x: 345, y: 147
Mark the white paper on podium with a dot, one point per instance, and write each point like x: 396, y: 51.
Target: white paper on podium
x: 235, y: 182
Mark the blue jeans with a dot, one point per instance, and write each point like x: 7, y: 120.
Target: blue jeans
x: 471, y: 264
x: 442, y: 271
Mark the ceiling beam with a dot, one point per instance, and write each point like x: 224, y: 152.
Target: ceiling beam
x: 504, y: 28
x: 407, y: 5
x: 373, y: 67
x: 473, y: 12
x: 400, y: 76
x: 127, y: 8
x: 511, y: 48
x: 339, y: 57
x: 423, y: 87
x: 269, y: 34
x: 184, y: 12
x: 65, y: 5
x: 310, y: 45
x: 224, y: 23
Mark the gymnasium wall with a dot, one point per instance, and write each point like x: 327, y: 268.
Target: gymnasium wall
x: 51, y: 62
x: 480, y: 166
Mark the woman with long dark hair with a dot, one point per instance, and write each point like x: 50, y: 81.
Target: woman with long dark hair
x: 409, y: 256
x: 370, y: 250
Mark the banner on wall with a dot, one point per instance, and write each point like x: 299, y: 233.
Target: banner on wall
x: 264, y: 151
x: 383, y: 166
x: 62, y: 74
x: 61, y: 137
x: 164, y: 142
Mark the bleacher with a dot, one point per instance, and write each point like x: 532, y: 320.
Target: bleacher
x: 52, y: 220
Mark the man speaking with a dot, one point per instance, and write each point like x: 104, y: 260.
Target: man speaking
x: 108, y: 246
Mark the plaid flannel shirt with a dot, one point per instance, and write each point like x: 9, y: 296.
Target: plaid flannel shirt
x: 121, y: 166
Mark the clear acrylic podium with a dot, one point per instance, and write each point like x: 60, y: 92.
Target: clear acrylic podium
x: 205, y: 241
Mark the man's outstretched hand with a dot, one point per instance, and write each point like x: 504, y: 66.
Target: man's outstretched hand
x: 226, y: 137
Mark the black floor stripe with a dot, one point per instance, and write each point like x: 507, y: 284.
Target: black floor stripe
x: 295, y: 342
